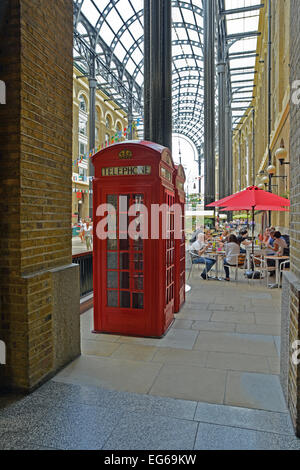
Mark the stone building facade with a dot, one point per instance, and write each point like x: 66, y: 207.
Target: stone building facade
x: 110, y: 119
x: 290, y: 335
x: 280, y: 112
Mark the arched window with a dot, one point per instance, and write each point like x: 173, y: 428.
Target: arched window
x: 82, y: 104
x: 108, y: 122
x: 98, y: 114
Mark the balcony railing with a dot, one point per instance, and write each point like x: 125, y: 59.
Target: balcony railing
x: 85, y: 261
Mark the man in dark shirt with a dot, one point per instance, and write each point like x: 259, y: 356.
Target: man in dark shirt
x: 242, y: 240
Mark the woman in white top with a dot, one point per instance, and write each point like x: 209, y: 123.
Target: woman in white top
x: 88, y: 235
x: 232, y: 250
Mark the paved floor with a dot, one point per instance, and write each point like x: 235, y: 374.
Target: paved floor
x: 68, y: 416
x: 210, y: 383
x: 223, y: 348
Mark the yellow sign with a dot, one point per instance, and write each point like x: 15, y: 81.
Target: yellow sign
x: 125, y: 155
x: 126, y: 171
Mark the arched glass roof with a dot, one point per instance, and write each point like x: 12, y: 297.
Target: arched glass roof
x: 109, y: 37
x: 241, y: 23
x: 114, y: 30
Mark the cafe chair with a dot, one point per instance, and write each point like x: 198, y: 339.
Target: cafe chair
x: 285, y: 266
x: 192, y: 258
x: 240, y: 264
x: 260, y: 265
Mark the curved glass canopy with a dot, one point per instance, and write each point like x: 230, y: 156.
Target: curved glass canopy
x: 109, y: 44
x: 112, y: 33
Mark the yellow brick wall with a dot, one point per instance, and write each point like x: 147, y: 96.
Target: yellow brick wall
x: 36, y: 168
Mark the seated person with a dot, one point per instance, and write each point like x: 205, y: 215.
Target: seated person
x: 208, y: 234
x: 198, y: 249
x: 280, y: 248
x: 270, y: 242
x: 265, y: 237
x: 232, y: 250
x: 242, y: 240
x: 225, y: 235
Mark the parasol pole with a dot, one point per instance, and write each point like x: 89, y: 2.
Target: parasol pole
x: 253, y: 216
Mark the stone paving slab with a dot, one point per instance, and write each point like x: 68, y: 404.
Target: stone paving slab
x: 259, y: 345
x: 268, y: 319
x: 175, y: 338
x: 98, y: 348
x: 258, y: 420
x: 274, y: 364
x: 134, y: 352
x: 214, y: 437
x: 136, y: 431
x: 269, y: 330
x: 118, y: 374
x: 233, y: 317
x: 202, y: 325
x: 251, y: 390
x: 195, y: 315
x: 238, y: 362
x: 180, y: 356
x: 190, y: 382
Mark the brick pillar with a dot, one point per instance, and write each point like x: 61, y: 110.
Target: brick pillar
x: 39, y: 286
x: 290, y: 370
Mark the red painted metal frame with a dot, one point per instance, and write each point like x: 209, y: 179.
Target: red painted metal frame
x: 157, y: 313
x: 179, y: 299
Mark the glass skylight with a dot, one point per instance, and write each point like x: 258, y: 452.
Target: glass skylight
x: 114, y: 29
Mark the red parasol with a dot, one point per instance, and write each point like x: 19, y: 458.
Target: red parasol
x: 257, y: 208
x: 252, y: 197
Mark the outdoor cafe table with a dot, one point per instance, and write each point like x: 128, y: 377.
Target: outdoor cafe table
x: 277, y: 259
x: 218, y: 255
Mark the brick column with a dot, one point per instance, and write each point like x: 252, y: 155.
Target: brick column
x: 37, y: 277
x: 290, y: 370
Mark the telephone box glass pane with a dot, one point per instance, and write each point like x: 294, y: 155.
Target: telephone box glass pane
x: 125, y: 299
x: 112, y: 280
x: 113, y: 200
x: 138, y: 244
x: 138, y: 261
x: 124, y: 280
x: 138, y: 282
x: 112, y: 298
x: 138, y: 301
x: 124, y: 260
x: 124, y: 245
x: 112, y: 260
x: 112, y: 245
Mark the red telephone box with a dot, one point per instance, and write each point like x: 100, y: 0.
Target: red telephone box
x: 134, y: 274
x: 179, y: 180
